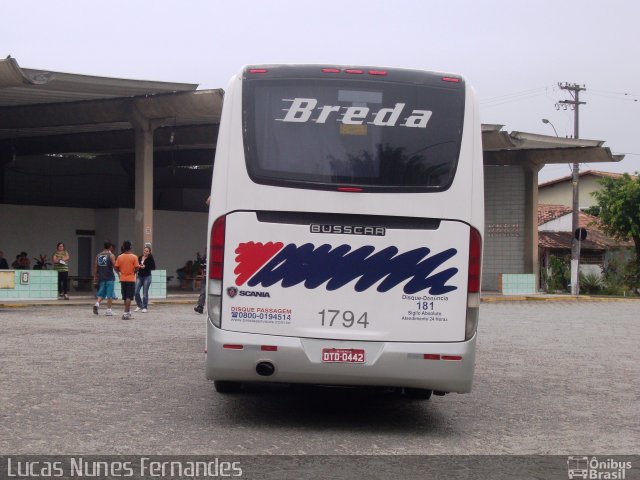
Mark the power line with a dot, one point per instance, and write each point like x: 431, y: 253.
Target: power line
x: 615, y: 97
x: 522, y: 92
x: 539, y: 91
x: 512, y: 100
x: 516, y: 96
x: 520, y: 99
x: 616, y: 93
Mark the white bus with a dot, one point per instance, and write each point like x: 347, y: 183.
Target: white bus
x: 345, y: 230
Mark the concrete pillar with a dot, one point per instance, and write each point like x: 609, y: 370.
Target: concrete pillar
x: 531, y: 260
x: 143, y: 210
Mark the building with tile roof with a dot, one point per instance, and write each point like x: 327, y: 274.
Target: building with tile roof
x: 560, y: 190
x: 555, y: 236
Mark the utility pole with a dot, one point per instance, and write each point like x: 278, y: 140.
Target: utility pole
x: 575, y: 103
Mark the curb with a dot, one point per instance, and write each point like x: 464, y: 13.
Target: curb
x: 87, y: 301
x: 559, y: 298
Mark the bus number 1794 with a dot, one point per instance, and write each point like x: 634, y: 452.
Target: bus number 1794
x: 346, y: 318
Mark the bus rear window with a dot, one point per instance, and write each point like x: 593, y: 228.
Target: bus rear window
x: 324, y: 133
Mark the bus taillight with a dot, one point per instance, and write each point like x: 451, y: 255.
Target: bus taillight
x: 217, y: 249
x: 473, y: 285
x: 475, y: 258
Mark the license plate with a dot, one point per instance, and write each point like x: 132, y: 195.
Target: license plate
x: 342, y: 355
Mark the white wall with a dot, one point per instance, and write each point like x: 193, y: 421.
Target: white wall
x: 37, y: 230
x: 177, y: 238
x: 106, y: 226
x: 560, y: 224
x: 562, y: 193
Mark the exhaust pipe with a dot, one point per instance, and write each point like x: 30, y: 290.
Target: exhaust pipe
x: 265, y: 369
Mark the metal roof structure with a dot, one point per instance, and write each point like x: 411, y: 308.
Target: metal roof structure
x: 25, y: 86
x: 503, y: 148
x: 55, y: 112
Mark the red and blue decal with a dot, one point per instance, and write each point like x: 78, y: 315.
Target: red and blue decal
x: 265, y: 264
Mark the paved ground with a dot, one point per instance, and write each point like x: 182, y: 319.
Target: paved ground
x: 551, y: 378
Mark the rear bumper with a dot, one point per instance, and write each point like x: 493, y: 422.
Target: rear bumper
x: 299, y: 360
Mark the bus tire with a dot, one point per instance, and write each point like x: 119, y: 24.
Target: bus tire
x: 226, y: 386
x: 418, y: 393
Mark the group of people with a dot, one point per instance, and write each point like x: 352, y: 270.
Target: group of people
x: 59, y: 260
x: 21, y: 262
x: 134, y: 273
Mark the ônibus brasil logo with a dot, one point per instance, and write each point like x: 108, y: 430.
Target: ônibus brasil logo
x: 266, y: 264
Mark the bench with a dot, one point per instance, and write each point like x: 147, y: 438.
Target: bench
x: 191, y: 282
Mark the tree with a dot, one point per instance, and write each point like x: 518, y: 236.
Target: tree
x: 593, y: 210
x: 619, y: 202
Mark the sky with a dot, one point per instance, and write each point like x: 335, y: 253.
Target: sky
x: 514, y: 53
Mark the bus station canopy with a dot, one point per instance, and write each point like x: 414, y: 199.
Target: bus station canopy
x: 43, y: 112
x: 503, y: 148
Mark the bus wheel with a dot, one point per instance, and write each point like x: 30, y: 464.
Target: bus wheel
x: 226, y: 386
x: 417, y: 393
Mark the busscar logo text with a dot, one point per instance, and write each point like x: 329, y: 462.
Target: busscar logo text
x: 347, y: 229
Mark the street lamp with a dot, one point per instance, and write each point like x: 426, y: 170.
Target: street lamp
x: 544, y: 120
